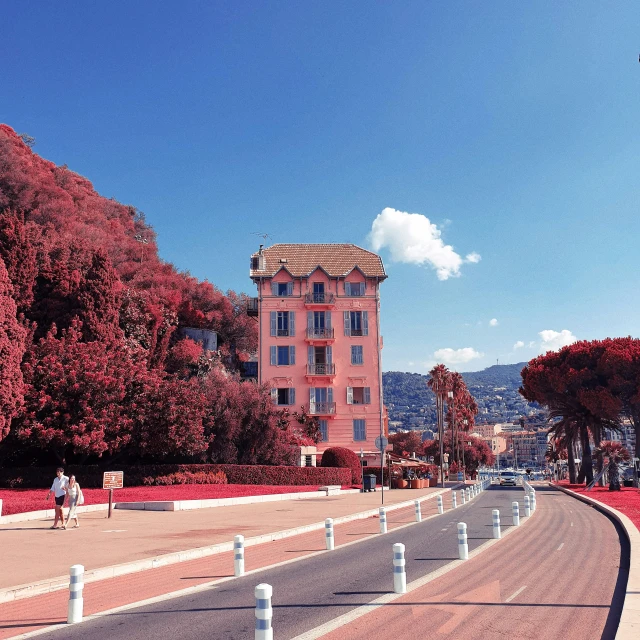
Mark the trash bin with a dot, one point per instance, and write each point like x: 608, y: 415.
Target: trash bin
x: 369, y: 482
x: 627, y: 482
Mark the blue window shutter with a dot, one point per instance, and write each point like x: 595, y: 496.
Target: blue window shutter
x: 347, y: 288
x: 289, y: 288
x: 365, y: 323
x: 327, y: 319
x: 292, y: 323
x: 347, y: 323
x: 292, y: 354
x: 353, y: 354
x: 292, y: 396
x: 274, y: 324
x: 311, y: 354
x: 274, y: 396
x: 274, y: 356
x: 362, y: 288
x: 329, y: 355
x: 367, y: 395
x: 330, y: 394
x: 324, y: 430
x: 309, y: 319
x: 274, y: 288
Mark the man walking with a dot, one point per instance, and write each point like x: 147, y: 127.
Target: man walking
x: 59, y: 490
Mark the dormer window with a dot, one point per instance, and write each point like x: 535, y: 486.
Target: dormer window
x: 354, y: 289
x: 282, y: 289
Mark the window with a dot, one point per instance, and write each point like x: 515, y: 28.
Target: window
x: 324, y: 430
x: 285, y: 396
x: 356, y: 354
x: 283, y: 323
x: 358, y: 395
x: 282, y: 356
x: 282, y: 289
x: 356, y: 323
x: 359, y: 430
x: 354, y: 289
x: 308, y: 461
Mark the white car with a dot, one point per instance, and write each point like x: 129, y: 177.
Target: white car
x: 508, y: 478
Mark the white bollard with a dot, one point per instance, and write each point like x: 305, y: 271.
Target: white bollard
x: 383, y: 520
x: 418, y: 511
x: 76, y: 601
x: 399, y: 573
x: 264, y: 612
x: 328, y: 533
x: 454, y: 502
x: 496, y: 524
x: 527, y: 506
x: 440, y: 505
x: 516, y: 514
x: 463, y: 547
x: 0, y: 508
x: 468, y: 495
x: 462, y: 496
x: 238, y: 556
x: 533, y: 501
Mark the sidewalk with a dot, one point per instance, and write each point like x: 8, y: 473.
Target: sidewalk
x: 141, y: 534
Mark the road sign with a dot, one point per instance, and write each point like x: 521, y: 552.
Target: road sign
x: 381, y: 442
x: 113, y: 480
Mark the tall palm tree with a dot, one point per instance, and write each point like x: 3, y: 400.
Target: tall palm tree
x: 615, y: 454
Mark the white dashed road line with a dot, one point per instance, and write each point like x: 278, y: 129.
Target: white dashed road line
x: 516, y: 594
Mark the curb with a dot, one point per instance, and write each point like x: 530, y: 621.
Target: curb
x: 171, y: 505
x: 40, y: 587
x: 629, y: 626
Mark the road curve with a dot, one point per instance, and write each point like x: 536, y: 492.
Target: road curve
x: 559, y: 577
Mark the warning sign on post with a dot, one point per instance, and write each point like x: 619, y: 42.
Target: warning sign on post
x: 113, y: 480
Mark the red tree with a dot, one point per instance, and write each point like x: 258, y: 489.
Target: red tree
x: 12, y: 345
x: 406, y: 443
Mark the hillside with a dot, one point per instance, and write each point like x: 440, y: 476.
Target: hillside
x: 495, y: 389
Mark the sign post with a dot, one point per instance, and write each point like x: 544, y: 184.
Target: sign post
x: 112, y: 480
x: 381, y: 444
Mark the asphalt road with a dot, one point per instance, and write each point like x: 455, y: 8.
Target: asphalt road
x: 310, y: 592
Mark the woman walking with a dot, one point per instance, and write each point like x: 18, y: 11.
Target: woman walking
x: 75, y: 498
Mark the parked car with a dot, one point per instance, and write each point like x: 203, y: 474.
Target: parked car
x: 508, y: 478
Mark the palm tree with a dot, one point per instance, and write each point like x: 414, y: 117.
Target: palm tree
x: 615, y: 453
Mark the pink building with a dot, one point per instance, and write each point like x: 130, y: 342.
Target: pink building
x: 320, y: 345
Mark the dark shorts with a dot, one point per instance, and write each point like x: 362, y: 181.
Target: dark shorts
x: 60, y: 500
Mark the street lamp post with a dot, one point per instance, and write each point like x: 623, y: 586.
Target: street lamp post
x: 362, y: 468
x: 464, y: 464
x: 440, y: 418
x: 453, y: 423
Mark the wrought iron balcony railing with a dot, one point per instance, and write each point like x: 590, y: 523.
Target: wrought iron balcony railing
x: 319, y: 298
x: 325, y: 369
x: 320, y: 334
x: 322, y: 408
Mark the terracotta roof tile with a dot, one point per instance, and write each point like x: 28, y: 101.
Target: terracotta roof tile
x: 335, y: 259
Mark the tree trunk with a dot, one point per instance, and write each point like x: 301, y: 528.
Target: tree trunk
x: 587, y: 464
x: 614, y: 477
x: 597, y: 439
x: 571, y: 461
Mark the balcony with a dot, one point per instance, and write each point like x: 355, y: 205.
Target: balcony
x: 319, y: 299
x: 252, y: 307
x: 322, y: 408
x: 320, y: 335
x: 321, y: 369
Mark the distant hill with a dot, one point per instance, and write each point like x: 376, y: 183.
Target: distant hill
x: 495, y: 389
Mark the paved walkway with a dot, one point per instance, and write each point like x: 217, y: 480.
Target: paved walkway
x: 150, y: 533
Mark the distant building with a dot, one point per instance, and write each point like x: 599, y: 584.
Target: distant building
x: 205, y: 337
x: 318, y: 309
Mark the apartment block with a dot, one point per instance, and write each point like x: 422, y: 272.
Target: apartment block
x: 318, y: 310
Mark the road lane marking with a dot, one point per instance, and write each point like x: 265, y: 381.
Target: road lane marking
x: 443, y: 529
x: 560, y: 547
x: 516, y: 594
x: 572, y: 524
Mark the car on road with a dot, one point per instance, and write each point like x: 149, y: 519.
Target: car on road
x: 508, y: 478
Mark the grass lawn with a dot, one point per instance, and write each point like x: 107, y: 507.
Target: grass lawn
x: 23, y: 500
x: 627, y: 500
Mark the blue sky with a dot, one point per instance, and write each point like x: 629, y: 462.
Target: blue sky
x: 509, y: 128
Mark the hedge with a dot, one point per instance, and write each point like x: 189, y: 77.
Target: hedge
x: 343, y: 458
x: 90, y: 476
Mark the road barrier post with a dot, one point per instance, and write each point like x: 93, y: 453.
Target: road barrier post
x: 440, y: 505
x: 533, y: 501
x: 328, y: 534
x: 418, y: 511
x: 238, y: 556
x: 76, y: 601
x: 399, y: 573
x: 516, y: 514
x: 468, y: 494
x: 264, y: 612
x: 463, y: 547
x: 496, y: 524
x: 454, y: 501
x: 527, y: 506
x: 462, y: 500
x: 0, y: 508
x: 383, y: 520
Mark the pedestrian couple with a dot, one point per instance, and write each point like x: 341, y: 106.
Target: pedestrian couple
x: 61, y: 488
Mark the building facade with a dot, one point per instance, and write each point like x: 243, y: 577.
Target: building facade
x: 318, y: 310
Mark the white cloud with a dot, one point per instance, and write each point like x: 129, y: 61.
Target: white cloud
x: 518, y: 345
x: 413, y: 238
x: 457, y: 356
x: 554, y: 340
x: 493, y: 322
x: 532, y: 344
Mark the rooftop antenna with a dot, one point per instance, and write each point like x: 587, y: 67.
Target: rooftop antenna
x: 264, y: 236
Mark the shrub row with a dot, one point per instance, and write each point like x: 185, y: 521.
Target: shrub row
x: 90, y: 476
x: 187, y: 477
